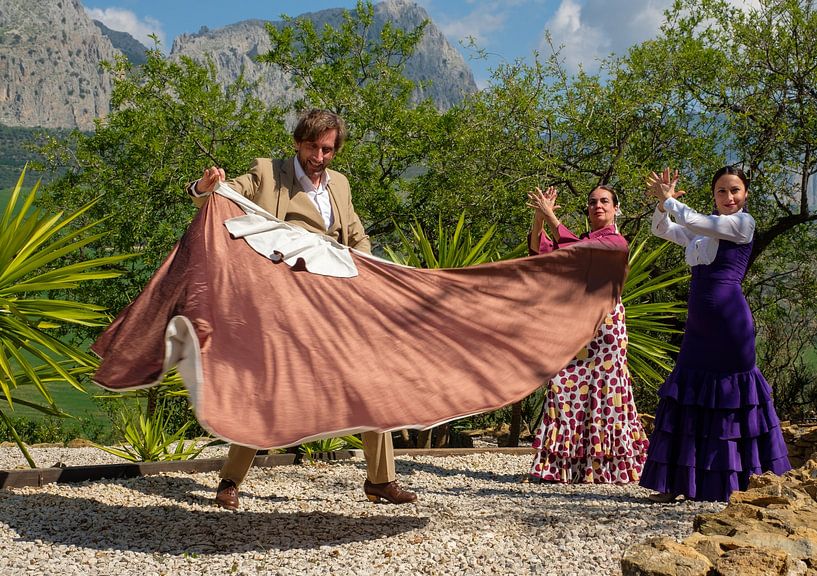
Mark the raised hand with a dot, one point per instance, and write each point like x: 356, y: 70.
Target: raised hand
x: 543, y: 202
x: 210, y: 179
x: 662, y: 186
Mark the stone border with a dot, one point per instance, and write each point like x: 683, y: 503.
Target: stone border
x: 71, y: 474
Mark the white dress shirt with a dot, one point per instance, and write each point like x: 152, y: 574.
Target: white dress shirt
x: 700, y: 233
x: 318, y: 194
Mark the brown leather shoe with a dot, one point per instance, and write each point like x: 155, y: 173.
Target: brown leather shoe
x: 389, y: 491
x: 227, y: 495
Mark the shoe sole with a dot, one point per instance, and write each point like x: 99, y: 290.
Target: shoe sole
x: 225, y: 505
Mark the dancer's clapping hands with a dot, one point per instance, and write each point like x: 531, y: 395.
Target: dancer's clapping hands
x: 662, y: 186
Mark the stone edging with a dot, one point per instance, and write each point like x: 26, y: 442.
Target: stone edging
x: 71, y: 474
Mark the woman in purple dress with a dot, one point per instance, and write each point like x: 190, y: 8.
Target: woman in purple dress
x: 715, y: 424
x: 590, y: 431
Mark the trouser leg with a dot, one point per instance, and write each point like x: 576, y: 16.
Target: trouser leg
x: 239, y: 461
x: 379, y: 453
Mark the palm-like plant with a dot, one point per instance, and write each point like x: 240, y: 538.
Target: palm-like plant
x: 310, y: 450
x: 31, y: 247
x: 648, y: 355
x: 147, y: 439
x: 451, y: 249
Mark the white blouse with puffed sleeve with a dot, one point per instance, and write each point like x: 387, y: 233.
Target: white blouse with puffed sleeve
x: 700, y: 233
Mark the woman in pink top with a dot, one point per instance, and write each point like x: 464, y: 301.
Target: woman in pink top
x: 590, y: 431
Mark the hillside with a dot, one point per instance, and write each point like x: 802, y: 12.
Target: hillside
x: 51, y: 54
x: 50, y: 74
x: 234, y: 47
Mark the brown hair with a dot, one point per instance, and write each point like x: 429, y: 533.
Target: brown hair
x: 315, y: 122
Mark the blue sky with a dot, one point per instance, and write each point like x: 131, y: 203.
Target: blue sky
x: 506, y: 29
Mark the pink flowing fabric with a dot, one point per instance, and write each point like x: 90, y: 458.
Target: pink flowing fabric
x: 274, y: 355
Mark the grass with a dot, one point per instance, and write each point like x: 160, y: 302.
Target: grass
x: 67, y: 398
x: 90, y: 420
x: 811, y: 357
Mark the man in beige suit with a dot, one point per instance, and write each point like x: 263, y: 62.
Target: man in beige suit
x: 304, y: 192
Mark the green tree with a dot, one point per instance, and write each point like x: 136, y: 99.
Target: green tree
x: 169, y: 120
x: 538, y: 125
x: 754, y: 72
x: 357, y: 71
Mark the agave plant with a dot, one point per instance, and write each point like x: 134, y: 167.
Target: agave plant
x: 31, y: 247
x: 648, y: 355
x: 310, y: 449
x: 146, y: 438
x: 453, y: 249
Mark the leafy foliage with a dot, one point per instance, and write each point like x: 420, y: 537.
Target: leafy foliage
x: 310, y: 450
x: 147, y: 439
x: 651, y: 320
x: 17, y: 149
x: 754, y: 71
x: 32, y: 242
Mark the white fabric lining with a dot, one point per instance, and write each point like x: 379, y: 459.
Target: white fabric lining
x: 279, y: 241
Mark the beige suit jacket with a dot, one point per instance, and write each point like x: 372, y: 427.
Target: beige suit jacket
x: 272, y: 185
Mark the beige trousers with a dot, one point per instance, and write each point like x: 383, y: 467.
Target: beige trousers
x: 377, y: 448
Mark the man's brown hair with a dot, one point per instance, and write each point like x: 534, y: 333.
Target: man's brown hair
x: 315, y: 122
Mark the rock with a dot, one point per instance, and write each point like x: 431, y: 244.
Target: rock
x: 51, y: 54
x: 750, y: 561
x: 713, y: 547
x: 233, y: 50
x: 767, y: 529
x: 797, y: 547
x: 664, y: 557
x: 801, y: 440
x: 734, y: 519
x: 79, y: 443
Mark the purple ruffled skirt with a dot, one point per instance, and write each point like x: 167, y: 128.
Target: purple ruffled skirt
x: 713, y: 432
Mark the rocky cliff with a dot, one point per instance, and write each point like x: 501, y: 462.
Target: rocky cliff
x: 133, y: 50
x: 50, y: 75
x: 50, y: 54
x: 233, y: 49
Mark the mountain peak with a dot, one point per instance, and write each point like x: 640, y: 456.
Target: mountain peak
x: 233, y: 48
x: 51, y: 50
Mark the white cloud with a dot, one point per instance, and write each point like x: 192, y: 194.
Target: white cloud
x: 126, y: 21
x: 589, y: 30
x: 746, y: 4
x: 478, y: 24
x: 580, y: 41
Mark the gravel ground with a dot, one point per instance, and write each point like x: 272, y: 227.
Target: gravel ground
x: 473, y: 517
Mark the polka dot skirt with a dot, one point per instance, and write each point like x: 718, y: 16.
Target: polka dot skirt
x: 590, y: 431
